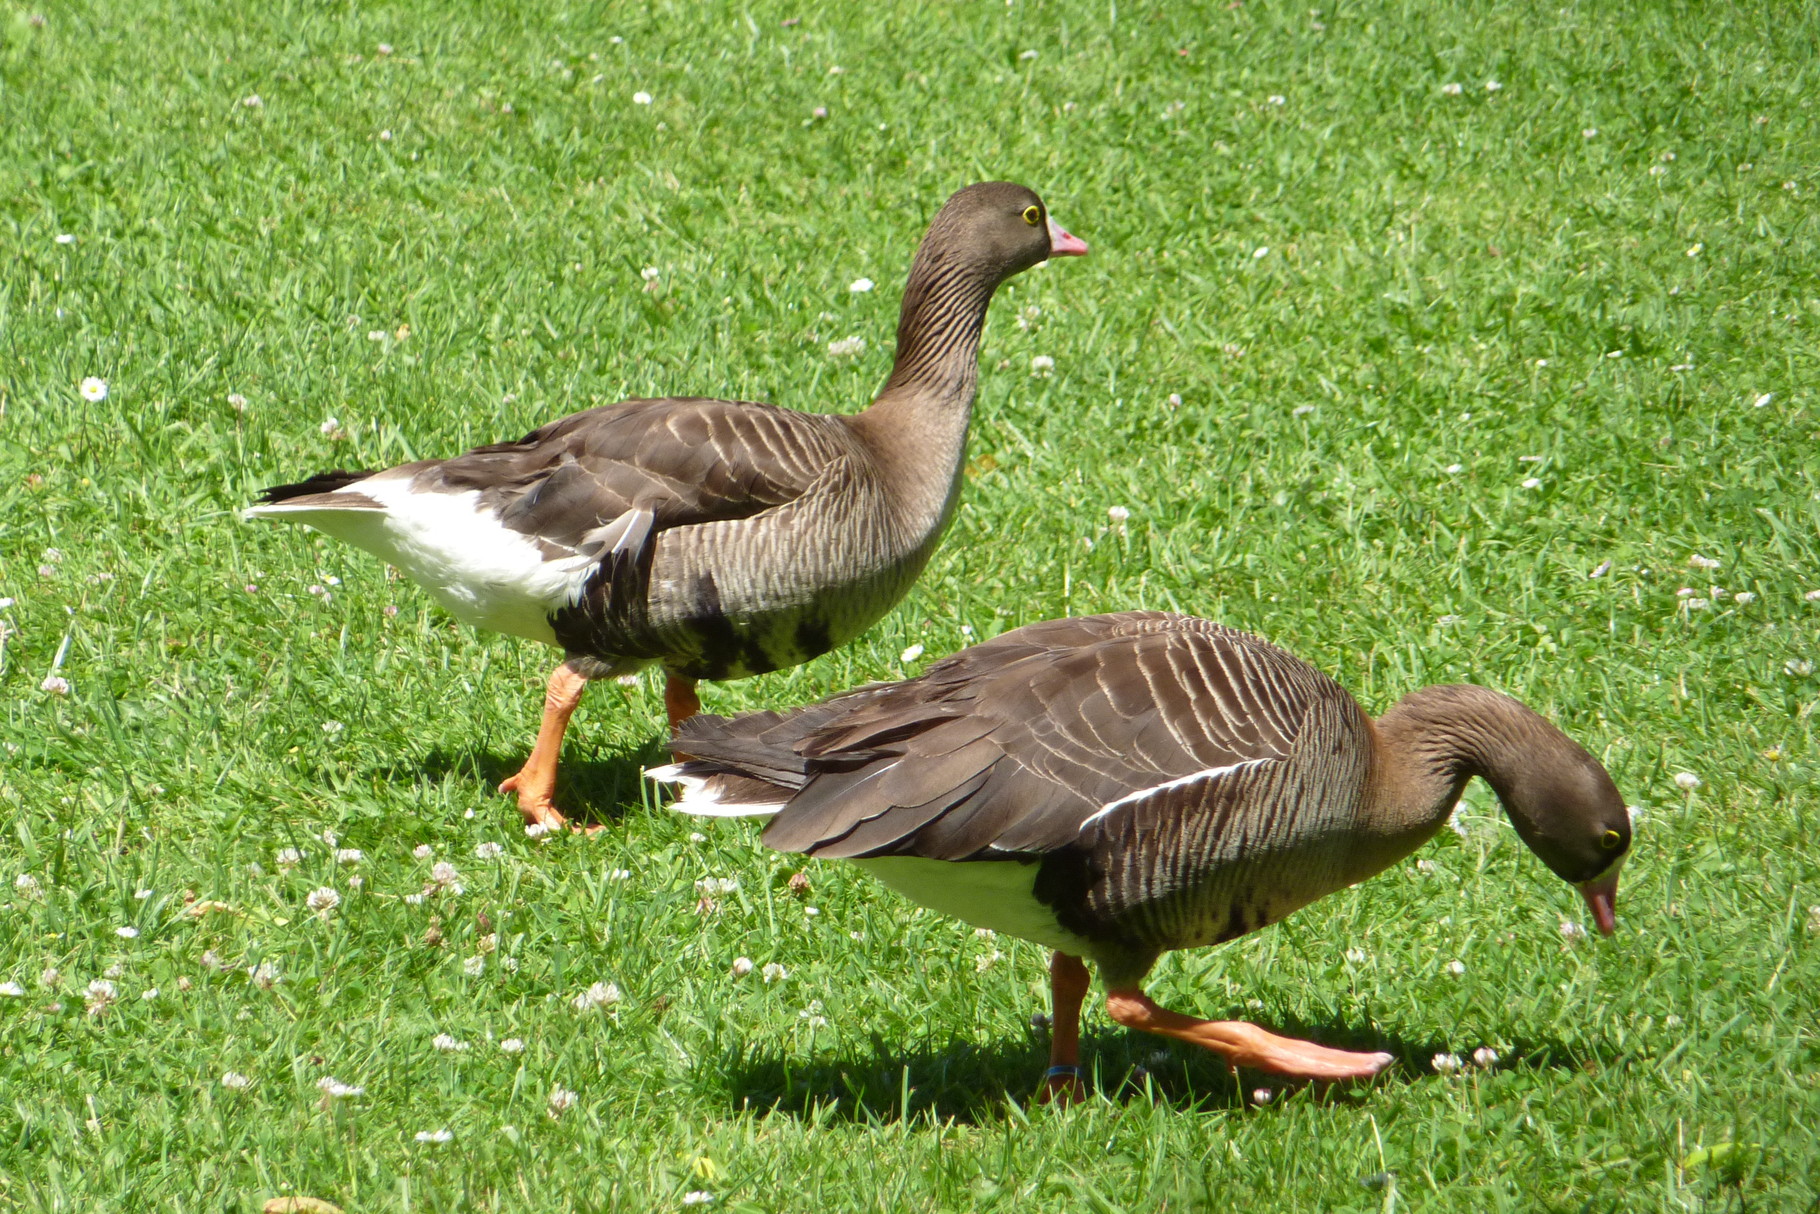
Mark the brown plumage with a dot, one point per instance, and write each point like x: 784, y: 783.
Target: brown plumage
x: 1119, y: 786
x: 717, y: 538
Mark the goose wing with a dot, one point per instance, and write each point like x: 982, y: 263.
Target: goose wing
x: 1016, y: 747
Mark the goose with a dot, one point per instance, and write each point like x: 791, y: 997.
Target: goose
x: 1115, y: 787
x: 718, y: 538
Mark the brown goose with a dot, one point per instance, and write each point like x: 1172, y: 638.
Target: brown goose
x: 1118, y: 786
x: 718, y: 538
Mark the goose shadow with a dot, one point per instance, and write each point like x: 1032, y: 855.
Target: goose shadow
x: 973, y: 1082
x: 594, y: 789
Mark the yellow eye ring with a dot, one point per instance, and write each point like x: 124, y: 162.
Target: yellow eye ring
x: 1033, y: 214
x: 1610, y: 839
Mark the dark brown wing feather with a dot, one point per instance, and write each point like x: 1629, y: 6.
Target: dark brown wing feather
x: 1007, y: 747
x: 687, y: 460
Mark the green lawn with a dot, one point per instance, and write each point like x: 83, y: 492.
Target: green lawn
x: 1383, y: 369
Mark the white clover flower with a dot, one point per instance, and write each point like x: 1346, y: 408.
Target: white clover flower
x: 1572, y: 932
x: 711, y: 887
x: 141, y: 895
x: 99, y: 995
x: 537, y: 830
x: 423, y: 851
x: 211, y: 960
x: 252, y: 101
x: 234, y: 1081
x: 1763, y: 400
x: 1686, y: 781
x: 1696, y: 561
x: 1262, y: 1096
x: 620, y: 874
x: 322, y: 900
x: 986, y: 961
x: 846, y: 346
x: 1603, y: 568
x: 1301, y: 411
x: 333, y: 1089
x: 64, y: 238
x: 561, y: 1101
x: 773, y: 972
x: 600, y: 995
x: 695, y: 836
x: 1356, y: 956
x: 446, y: 875
x: 445, y: 1044
x: 94, y: 389
x: 55, y: 684
x: 1452, y: 89
x: 1456, y: 968
x: 1042, y: 364
x: 474, y: 966
x: 1118, y: 514
x: 650, y: 273
x: 331, y: 426
x: 1485, y: 1056
x: 1446, y: 1064
x: 742, y: 966
x: 1492, y: 86
x: 512, y: 1045
x: 1261, y: 252
x: 1454, y: 469
x: 149, y: 993
x: 349, y: 855
x: 11, y: 990
x: 488, y: 851
x: 129, y: 932
x: 1532, y: 482
x: 1798, y: 667
x: 264, y: 975
x: 910, y: 654
x: 1026, y: 55
x: 860, y: 286
x: 701, y: 1197
x: 434, y: 1136
x: 1591, y: 132
x: 641, y: 98
x: 27, y: 887
x: 332, y: 727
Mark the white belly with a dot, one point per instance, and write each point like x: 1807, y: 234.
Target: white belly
x: 995, y: 894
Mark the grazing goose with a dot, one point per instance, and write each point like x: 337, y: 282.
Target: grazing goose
x: 1118, y: 786
x: 718, y: 538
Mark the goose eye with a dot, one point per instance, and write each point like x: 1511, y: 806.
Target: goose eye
x: 1610, y: 839
x: 1033, y: 215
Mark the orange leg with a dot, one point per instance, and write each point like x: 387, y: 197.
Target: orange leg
x: 1243, y: 1044
x: 1067, y: 989
x: 681, y: 702
x: 535, y: 782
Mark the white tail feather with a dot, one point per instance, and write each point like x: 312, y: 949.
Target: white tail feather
x: 702, y: 801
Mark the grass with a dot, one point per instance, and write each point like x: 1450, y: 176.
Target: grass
x: 1383, y: 306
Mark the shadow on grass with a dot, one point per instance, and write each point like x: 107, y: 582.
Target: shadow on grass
x: 601, y: 789
x: 972, y: 1083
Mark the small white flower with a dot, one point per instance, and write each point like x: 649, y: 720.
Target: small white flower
x: 650, y: 273
x: 601, y: 994
x: 234, y: 1081
x: 1812, y: 596
x: 1694, y: 250
x: 698, y: 1197
x: 1686, y: 781
x: 333, y: 1089
x: 349, y: 855
x: 845, y: 346
x: 64, y: 238
x: 1454, y: 469
x: 1456, y: 968
x: 127, y: 933
x: 911, y: 654
x: 141, y: 895
x: 1276, y: 99
x: 1603, y: 568
x: 488, y: 851
x: 332, y: 727
x: 1696, y: 561
x: 1492, y: 86
x: 1744, y: 596
x: 11, y: 990
x: 742, y: 966
x: 1262, y: 1096
x: 1175, y: 400
x: 1485, y: 1056
x: 211, y: 960
x: 1763, y: 400
x: 860, y: 286
x: 99, y: 995
x: 1261, y: 252
x: 322, y: 900
x: 1447, y: 1064
x: 1698, y: 604
x: 1042, y: 364
x: 986, y: 961
x: 435, y: 1136
x: 1591, y: 132
x: 695, y: 836
x: 94, y: 390
x: 423, y: 851
x: 27, y: 887
x: 620, y: 874
x: 641, y: 98
x: 331, y: 427
x: 1118, y: 514
x: 1452, y: 89
x: 55, y: 684
x: 252, y: 101
x: 712, y: 887
x: 1356, y: 956
x: 1572, y: 932
x: 1425, y: 866
x: 1026, y: 55
x: 1798, y: 667
x: 413, y: 899
x: 264, y: 975
x: 1532, y: 482
x: 561, y: 1101
x: 446, y: 1044
x: 149, y: 993
x: 1301, y: 411
x: 773, y: 972
x: 512, y: 1045
x: 537, y: 830
x: 445, y: 875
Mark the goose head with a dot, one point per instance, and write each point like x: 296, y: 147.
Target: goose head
x: 1567, y: 810
x: 1000, y: 228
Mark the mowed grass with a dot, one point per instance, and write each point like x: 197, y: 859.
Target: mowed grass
x: 1337, y: 318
